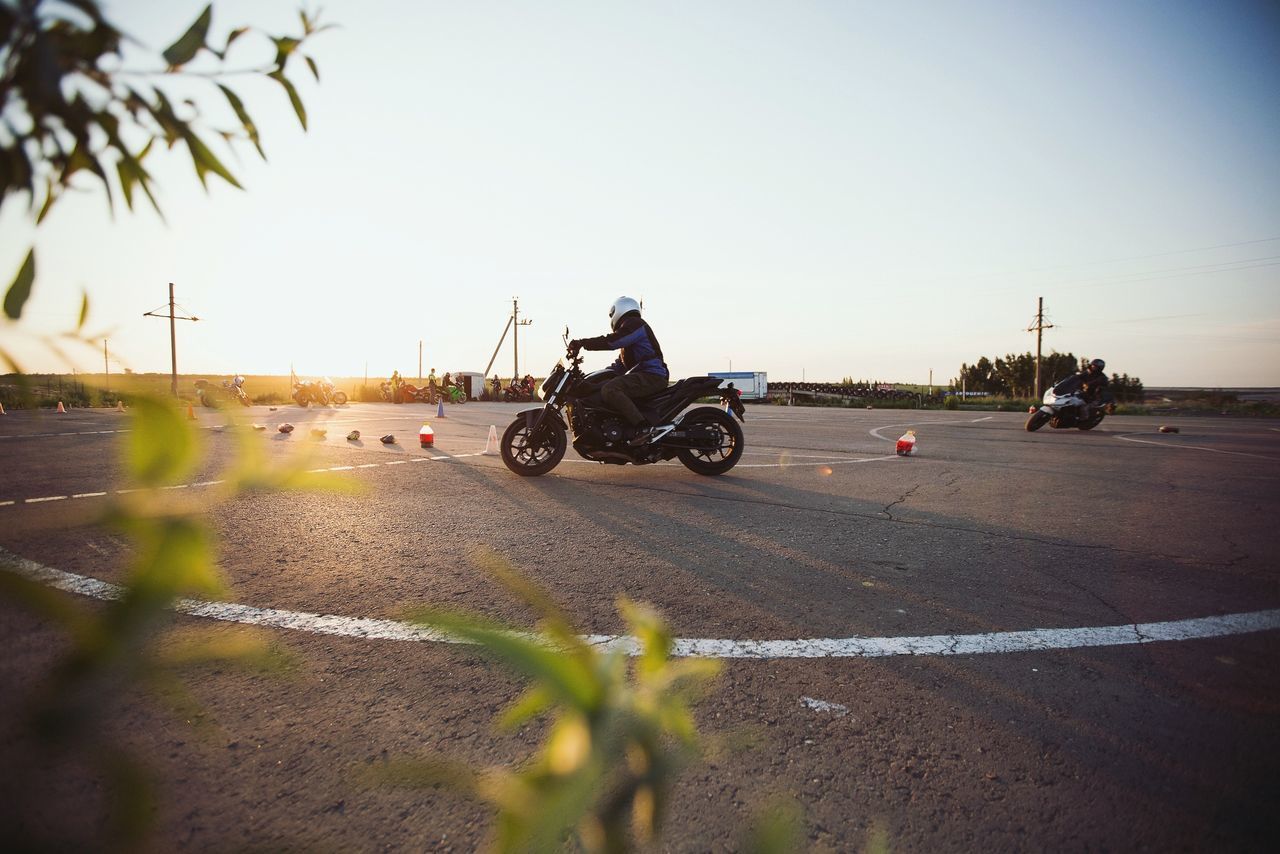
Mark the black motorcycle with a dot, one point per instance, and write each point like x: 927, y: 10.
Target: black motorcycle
x: 705, y: 439
x: 231, y: 390
x: 320, y: 392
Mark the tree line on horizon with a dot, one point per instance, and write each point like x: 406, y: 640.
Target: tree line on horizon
x: 1014, y: 375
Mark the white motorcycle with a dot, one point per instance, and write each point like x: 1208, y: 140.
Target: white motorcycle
x: 1063, y: 405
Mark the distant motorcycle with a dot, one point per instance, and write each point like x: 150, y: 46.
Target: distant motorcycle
x: 1062, y: 407
x: 451, y: 390
x: 320, y: 392
x: 230, y: 390
x: 520, y: 391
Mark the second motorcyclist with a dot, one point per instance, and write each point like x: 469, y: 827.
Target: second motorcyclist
x: 640, y: 370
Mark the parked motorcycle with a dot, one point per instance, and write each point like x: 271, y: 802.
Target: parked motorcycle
x: 320, y: 392
x: 452, y: 390
x: 519, y: 391
x: 1062, y: 408
x: 230, y: 390
x: 705, y: 439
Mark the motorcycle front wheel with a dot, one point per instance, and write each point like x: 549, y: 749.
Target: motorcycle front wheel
x: 532, y: 455
x: 1037, y: 420
x: 718, y: 438
x: 339, y: 398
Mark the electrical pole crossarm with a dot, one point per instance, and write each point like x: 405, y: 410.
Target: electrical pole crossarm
x: 1038, y: 326
x: 173, y: 335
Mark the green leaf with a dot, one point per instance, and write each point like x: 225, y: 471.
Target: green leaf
x: 563, y: 674
x: 20, y: 291
x: 535, y: 701
x: 206, y: 161
x: 279, y: 77
x: 285, y: 46
x: 84, y: 311
x: 235, y: 34
x: 243, y: 115
x: 315, y: 71
x: 7, y: 359
x: 185, y: 48
x: 125, y: 171
x: 50, y: 196
x: 161, y: 448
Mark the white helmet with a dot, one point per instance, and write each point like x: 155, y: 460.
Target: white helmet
x: 621, y: 307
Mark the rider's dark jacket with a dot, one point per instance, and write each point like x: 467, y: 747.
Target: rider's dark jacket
x: 639, y: 348
x: 1091, y: 385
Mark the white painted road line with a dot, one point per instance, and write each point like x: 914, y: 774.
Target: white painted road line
x: 1129, y: 437
x: 1031, y: 640
x: 876, y: 431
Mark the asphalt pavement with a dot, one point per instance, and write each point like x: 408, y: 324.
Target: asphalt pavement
x: 1063, y: 640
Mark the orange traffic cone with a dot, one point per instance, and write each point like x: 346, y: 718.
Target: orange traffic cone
x: 191, y: 412
x: 61, y: 408
x: 491, y: 446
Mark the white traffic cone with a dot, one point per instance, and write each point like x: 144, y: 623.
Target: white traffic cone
x: 61, y: 408
x: 119, y: 405
x: 906, y: 444
x: 491, y: 445
x: 440, y: 409
x: 2, y: 412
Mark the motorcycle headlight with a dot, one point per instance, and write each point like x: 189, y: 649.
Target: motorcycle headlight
x: 553, y: 380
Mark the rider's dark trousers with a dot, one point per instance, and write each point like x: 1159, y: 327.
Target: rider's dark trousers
x: 617, y: 393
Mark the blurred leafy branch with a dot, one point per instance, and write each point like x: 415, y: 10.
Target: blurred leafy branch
x: 69, y: 106
x: 619, y: 736
x: 131, y: 641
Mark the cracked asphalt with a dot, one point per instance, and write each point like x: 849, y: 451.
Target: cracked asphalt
x: 820, y: 533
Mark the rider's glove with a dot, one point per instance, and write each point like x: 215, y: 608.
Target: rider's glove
x: 575, y: 345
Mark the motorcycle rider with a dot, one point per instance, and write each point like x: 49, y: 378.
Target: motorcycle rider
x: 1093, y: 382
x: 639, y: 368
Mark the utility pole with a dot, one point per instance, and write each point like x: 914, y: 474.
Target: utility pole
x: 1038, y: 326
x: 106, y: 369
x: 419, y: 360
x: 173, y: 335
x: 516, y: 323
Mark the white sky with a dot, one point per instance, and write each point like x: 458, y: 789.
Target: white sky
x: 829, y: 188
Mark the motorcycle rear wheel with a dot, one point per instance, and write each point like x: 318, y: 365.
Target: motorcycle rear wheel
x: 1037, y: 420
x: 339, y: 398
x: 720, y: 436
x: 532, y: 457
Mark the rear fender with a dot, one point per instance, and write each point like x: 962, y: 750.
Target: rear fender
x: 693, y: 389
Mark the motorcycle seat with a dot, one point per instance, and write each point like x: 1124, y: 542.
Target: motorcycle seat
x: 671, y: 391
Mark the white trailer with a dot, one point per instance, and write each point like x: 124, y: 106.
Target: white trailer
x: 754, y: 385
